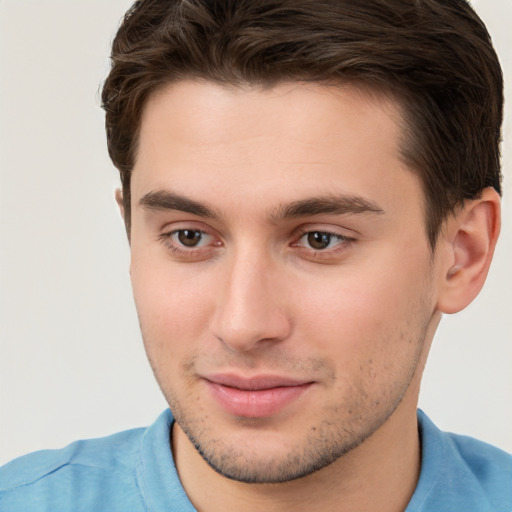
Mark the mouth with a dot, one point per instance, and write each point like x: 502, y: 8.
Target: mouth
x: 255, y: 397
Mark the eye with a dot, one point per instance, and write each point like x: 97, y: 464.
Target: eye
x: 190, y: 244
x: 190, y: 238
x: 320, y: 240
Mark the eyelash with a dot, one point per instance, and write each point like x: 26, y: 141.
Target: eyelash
x: 166, y: 239
x: 344, y: 242
x: 181, y: 250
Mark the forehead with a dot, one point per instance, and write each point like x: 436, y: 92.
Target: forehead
x: 270, y: 145
x: 204, y: 112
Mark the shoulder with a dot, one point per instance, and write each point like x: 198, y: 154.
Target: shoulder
x: 84, y: 468
x: 129, y: 471
x: 461, y: 472
x: 489, y: 466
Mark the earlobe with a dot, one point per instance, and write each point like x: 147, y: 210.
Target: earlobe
x: 468, y: 240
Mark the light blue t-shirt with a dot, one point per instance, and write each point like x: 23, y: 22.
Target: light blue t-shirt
x: 134, y: 471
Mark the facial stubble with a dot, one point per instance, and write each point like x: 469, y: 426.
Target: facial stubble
x: 343, y: 428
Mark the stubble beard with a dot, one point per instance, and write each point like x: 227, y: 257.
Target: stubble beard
x: 322, y: 446
x: 344, y: 427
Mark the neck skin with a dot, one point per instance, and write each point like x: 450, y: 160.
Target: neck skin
x: 379, y: 475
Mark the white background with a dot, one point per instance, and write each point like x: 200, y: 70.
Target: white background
x: 71, y: 359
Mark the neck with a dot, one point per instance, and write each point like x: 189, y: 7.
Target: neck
x: 378, y: 475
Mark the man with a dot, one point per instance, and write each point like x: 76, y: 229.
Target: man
x: 306, y: 186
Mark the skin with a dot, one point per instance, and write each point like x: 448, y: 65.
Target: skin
x: 354, y: 319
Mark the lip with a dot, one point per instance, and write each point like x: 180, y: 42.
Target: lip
x: 258, y: 396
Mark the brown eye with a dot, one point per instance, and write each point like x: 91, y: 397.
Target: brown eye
x: 189, y: 237
x: 318, y: 240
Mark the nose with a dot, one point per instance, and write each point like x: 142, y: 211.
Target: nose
x: 250, y: 305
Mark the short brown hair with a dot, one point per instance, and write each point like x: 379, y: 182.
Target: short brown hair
x: 435, y: 56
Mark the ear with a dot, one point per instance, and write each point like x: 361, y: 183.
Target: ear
x: 466, y: 248
x: 119, y: 201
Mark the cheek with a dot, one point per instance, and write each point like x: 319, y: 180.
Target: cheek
x: 172, y: 306
x: 372, y: 314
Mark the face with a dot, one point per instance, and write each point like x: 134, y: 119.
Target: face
x: 281, y: 270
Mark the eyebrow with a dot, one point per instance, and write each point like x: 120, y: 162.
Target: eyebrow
x: 331, y: 205
x: 162, y: 200
x: 165, y: 200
